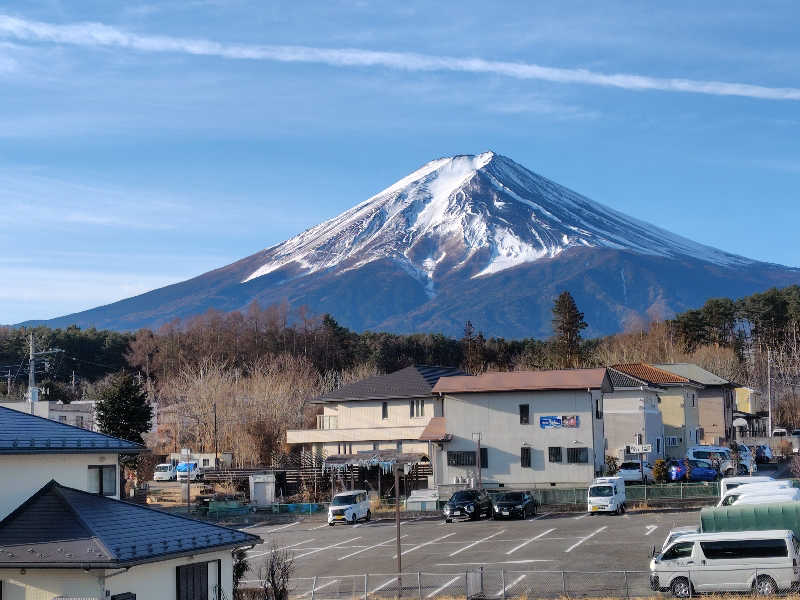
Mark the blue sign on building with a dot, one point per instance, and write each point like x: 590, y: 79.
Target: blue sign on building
x: 549, y: 422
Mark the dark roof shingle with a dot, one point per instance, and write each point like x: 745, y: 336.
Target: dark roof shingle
x: 622, y: 380
x: 22, y: 433
x: 412, y: 382
x: 63, y: 527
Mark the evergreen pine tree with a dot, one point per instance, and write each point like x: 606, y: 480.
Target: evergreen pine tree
x: 122, y: 408
x: 567, y: 325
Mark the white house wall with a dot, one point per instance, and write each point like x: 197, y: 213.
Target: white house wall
x: 21, y: 475
x: 632, y: 412
x: 46, y: 584
x: 496, y: 417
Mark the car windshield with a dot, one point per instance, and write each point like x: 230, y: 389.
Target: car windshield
x: 344, y: 500
x: 162, y: 468
x: 601, y: 491
x: 703, y: 464
x: 509, y: 497
x: 629, y: 466
x: 462, y: 496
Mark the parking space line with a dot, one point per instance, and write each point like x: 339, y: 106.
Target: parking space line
x: 284, y: 527
x: 383, y: 585
x: 510, y: 585
x: 468, y: 546
x: 651, y: 529
x: 320, y: 527
x: 318, y: 588
x: 283, y: 548
x: 425, y: 544
x: 371, y: 547
x: 583, y: 516
x: 327, y: 547
x: 540, y: 516
x: 533, y: 539
x: 448, y: 584
x: 579, y: 542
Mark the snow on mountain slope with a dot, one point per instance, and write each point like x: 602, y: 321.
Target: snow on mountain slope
x: 480, y: 213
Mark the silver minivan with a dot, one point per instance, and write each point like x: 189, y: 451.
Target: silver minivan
x: 760, y: 562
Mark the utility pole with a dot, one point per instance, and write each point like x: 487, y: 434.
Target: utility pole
x: 73, y: 381
x: 216, y: 451
x: 8, y: 384
x: 33, y: 391
x: 769, y: 392
x: 397, y: 522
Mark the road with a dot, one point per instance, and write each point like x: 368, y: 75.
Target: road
x: 531, y: 553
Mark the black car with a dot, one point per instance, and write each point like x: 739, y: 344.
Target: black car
x: 468, y: 504
x: 519, y: 504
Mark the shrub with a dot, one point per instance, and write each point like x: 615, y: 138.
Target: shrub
x: 660, y: 471
x: 612, y: 465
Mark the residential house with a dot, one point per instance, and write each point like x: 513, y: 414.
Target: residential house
x: 205, y: 460
x: 65, y: 534
x: 383, y: 412
x: 533, y: 427
x: 678, y: 404
x: 716, y: 401
x: 754, y: 419
x: 632, y: 416
x: 79, y: 413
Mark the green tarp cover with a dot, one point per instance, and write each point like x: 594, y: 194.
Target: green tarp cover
x: 752, y: 517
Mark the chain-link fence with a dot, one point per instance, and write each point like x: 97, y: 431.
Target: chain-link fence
x: 501, y: 584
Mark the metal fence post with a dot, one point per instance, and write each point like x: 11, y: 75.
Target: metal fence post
x: 366, y: 585
x: 419, y: 584
x: 627, y: 591
x: 481, y: 592
x: 564, y: 584
x: 503, y: 583
x: 466, y: 584
x: 689, y: 579
x: 313, y: 585
x: 682, y: 490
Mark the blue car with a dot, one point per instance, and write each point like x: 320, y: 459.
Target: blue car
x: 701, y: 470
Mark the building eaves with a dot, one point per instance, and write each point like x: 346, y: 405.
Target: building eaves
x: 416, y: 381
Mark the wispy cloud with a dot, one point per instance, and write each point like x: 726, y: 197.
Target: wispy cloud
x: 100, y: 35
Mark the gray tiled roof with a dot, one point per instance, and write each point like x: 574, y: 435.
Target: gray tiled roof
x: 411, y: 382
x: 623, y: 380
x: 22, y: 433
x: 64, y: 527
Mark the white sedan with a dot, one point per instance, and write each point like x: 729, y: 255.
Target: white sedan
x: 631, y: 471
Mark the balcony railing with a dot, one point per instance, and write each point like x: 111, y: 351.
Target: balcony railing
x: 327, y: 422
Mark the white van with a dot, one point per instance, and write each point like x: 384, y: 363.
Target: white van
x: 349, y: 507
x: 720, y: 456
x: 677, y: 532
x: 606, y: 494
x: 728, y: 483
x: 164, y: 472
x: 777, y: 486
x: 761, y: 562
x: 768, y: 497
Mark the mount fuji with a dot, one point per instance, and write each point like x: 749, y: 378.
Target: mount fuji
x: 475, y: 237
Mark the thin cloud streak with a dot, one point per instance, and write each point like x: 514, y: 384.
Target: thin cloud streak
x: 100, y: 35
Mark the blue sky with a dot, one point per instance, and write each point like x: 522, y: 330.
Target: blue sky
x: 142, y: 143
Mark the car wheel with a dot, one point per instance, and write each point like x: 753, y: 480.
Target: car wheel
x: 681, y: 588
x: 765, y: 586
x: 448, y: 520
x: 369, y: 516
x: 331, y: 524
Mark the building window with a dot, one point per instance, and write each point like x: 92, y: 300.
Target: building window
x: 484, y: 458
x: 384, y: 410
x: 524, y: 414
x: 79, y: 421
x: 416, y: 408
x: 192, y: 581
x: 399, y: 445
x: 460, y: 458
x: 206, y: 462
x: 578, y: 455
x: 658, y: 445
x: 671, y: 441
x: 598, y: 410
x: 554, y: 454
x: 102, y: 480
x: 62, y: 418
x: 525, y: 457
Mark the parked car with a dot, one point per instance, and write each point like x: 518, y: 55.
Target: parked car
x: 675, y: 533
x: 779, y: 432
x: 699, y: 470
x: 514, y: 504
x: 631, y: 471
x: 759, y: 562
x: 730, y: 483
x: 165, y: 472
x: 776, y: 486
x: 349, y: 507
x: 606, y: 494
x: 763, y: 454
x: 773, y: 496
x: 722, y: 459
x: 468, y: 504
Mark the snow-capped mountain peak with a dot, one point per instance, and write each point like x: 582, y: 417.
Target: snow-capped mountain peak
x: 480, y: 214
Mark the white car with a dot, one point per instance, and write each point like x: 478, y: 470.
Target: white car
x: 721, y: 457
x: 731, y: 483
x: 349, y: 507
x: 775, y: 486
x: 631, y: 472
x: 164, y: 472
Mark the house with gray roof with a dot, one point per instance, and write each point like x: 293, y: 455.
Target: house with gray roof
x: 633, y: 416
x: 716, y: 401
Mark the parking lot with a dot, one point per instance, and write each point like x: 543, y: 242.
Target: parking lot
x: 549, y: 542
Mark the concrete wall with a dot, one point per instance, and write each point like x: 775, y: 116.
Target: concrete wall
x: 154, y: 581
x: 368, y: 413
x: 715, y: 414
x: 496, y: 417
x: 681, y: 417
x: 632, y: 412
x: 21, y: 475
